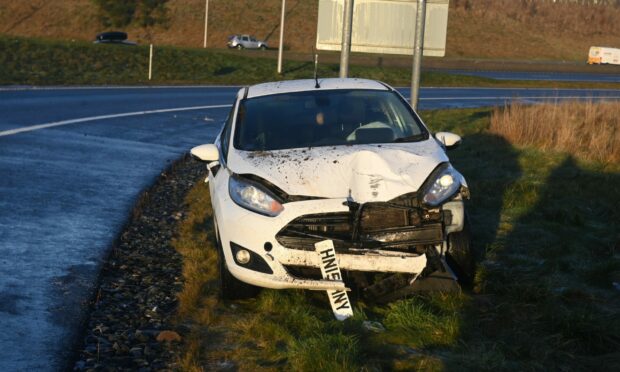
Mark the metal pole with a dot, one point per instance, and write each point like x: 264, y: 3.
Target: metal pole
x: 206, y: 21
x: 281, y: 36
x: 347, y: 29
x: 151, y: 62
x: 418, y: 50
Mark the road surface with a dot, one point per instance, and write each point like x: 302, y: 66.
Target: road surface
x: 541, y: 76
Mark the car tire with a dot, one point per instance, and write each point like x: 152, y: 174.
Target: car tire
x: 460, y: 255
x: 239, y: 46
x: 231, y: 288
x: 262, y: 47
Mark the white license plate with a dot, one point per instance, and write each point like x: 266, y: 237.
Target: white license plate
x: 339, y: 299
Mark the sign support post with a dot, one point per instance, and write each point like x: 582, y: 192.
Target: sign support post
x: 418, y: 50
x: 347, y: 29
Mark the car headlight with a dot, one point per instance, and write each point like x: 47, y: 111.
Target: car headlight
x: 253, y: 196
x: 441, y: 185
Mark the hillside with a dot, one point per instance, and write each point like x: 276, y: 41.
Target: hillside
x: 496, y: 29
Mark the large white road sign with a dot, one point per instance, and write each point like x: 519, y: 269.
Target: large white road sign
x: 384, y: 26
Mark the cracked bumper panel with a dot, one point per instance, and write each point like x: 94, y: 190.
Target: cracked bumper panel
x: 253, y: 231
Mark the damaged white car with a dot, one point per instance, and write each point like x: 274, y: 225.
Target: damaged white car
x: 330, y: 185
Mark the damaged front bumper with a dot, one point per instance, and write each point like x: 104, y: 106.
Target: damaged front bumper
x: 391, y: 237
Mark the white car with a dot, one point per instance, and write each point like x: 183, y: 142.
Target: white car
x: 246, y: 42
x: 344, y: 161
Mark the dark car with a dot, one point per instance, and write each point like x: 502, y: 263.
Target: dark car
x: 113, y: 37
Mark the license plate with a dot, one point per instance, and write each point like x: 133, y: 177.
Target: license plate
x: 339, y: 299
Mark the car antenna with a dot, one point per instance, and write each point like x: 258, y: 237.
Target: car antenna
x: 316, y: 65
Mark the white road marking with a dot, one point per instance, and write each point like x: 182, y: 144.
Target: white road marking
x: 31, y: 128
x: 95, y: 87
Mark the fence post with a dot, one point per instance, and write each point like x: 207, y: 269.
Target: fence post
x: 151, y: 62
x: 281, y: 47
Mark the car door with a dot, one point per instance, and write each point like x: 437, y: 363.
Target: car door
x: 245, y: 41
x: 253, y: 42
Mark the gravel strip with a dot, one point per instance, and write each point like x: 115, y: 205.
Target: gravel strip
x: 130, y: 322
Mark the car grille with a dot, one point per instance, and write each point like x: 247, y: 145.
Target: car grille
x: 385, y: 226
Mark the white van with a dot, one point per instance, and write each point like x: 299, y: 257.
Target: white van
x: 601, y: 55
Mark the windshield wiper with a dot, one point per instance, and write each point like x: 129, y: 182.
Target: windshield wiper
x: 414, y: 138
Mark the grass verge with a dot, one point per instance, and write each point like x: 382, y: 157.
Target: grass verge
x: 27, y: 61
x: 544, y: 298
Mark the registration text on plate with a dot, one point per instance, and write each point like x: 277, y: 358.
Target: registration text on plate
x: 339, y: 299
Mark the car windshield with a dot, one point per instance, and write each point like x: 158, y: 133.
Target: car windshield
x: 324, y: 118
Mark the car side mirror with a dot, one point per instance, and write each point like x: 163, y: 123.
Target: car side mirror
x: 208, y: 152
x: 449, y: 140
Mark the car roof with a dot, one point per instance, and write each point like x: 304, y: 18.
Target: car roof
x: 293, y: 86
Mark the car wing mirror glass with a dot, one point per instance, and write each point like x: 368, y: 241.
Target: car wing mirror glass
x: 448, y: 140
x: 208, y: 152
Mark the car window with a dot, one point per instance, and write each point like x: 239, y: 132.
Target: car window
x: 324, y: 118
x: 245, y: 38
x: 252, y: 39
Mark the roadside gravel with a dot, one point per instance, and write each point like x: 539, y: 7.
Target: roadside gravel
x: 130, y: 324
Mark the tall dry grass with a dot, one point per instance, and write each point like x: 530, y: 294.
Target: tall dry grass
x: 587, y: 130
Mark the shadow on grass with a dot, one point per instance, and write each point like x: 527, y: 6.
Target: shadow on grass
x: 298, y: 67
x: 224, y: 71
x: 545, y: 295
x: 491, y: 167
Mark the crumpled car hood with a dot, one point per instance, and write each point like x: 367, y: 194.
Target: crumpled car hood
x: 363, y: 173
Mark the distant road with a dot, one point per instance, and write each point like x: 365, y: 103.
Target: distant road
x: 540, y: 76
x: 73, y: 161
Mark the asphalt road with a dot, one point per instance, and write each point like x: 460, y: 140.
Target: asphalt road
x: 72, y: 163
x: 541, y: 76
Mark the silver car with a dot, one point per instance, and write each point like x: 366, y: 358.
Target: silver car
x: 246, y: 41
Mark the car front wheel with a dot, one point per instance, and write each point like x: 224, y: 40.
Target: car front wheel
x: 231, y: 288
x: 239, y: 46
x: 460, y: 255
x: 263, y: 47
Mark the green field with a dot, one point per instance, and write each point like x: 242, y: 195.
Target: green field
x: 27, y: 61
x: 546, y: 229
